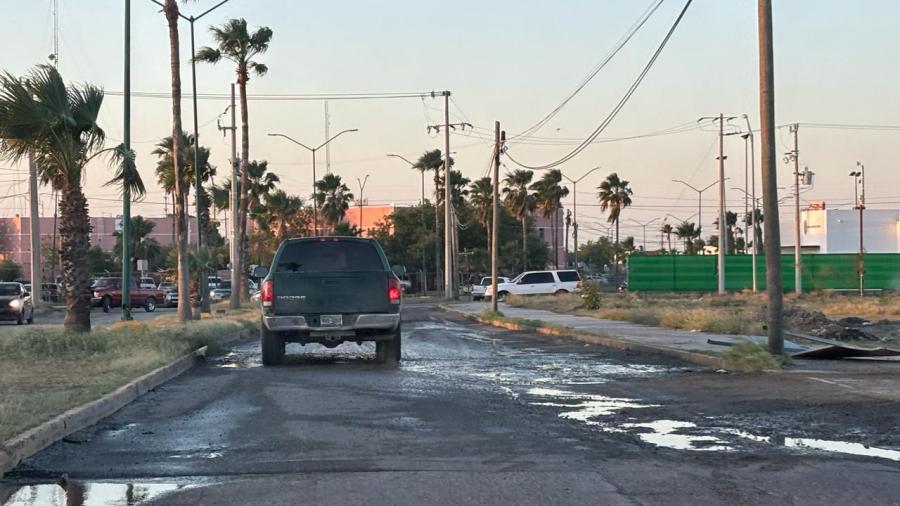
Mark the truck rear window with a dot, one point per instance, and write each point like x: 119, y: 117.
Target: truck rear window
x: 329, y: 256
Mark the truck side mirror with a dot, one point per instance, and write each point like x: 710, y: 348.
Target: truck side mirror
x: 260, y: 271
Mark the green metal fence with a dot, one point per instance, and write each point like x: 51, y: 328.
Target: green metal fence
x: 697, y: 273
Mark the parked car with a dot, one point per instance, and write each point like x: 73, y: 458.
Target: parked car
x: 214, y: 282
x: 222, y: 292
x: 147, y: 283
x: 538, y: 283
x: 329, y: 290
x: 15, y: 303
x: 477, y: 289
x: 107, y: 294
x: 166, y: 287
x: 170, y: 298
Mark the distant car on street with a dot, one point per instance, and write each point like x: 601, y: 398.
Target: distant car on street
x: 106, y: 293
x: 479, y: 288
x: 15, y: 303
x: 222, y: 292
x: 147, y: 283
x: 329, y: 290
x: 538, y: 283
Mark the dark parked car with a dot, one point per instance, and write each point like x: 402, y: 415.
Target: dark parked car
x: 15, y: 303
x: 329, y: 290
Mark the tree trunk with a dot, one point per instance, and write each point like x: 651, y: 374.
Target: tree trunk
x: 439, y: 280
x: 245, y: 183
x: 524, y: 243
x: 180, y: 197
x: 75, y: 232
x: 618, y: 248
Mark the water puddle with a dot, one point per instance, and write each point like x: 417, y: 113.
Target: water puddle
x: 842, y: 447
x: 239, y: 359
x: 670, y: 434
x: 89, y: 494
x: 583, y: 407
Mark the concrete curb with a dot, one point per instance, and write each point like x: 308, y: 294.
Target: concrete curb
x: 19, y: 448
x: 598, y: 339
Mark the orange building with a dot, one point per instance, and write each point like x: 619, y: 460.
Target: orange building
x: 372, y: 217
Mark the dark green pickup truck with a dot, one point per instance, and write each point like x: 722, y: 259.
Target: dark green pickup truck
x: 329, y: 290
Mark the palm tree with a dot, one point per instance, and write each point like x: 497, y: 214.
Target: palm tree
x: 520, y: 202
x: 433, y: 161
x: 237, y: 44
x: 165, y: 172
x: 57, y: 124
x: 687, y: 232
x: 170, y: 8
x: 458, y: 190
x: 141, y: 244
x: 614, y: 195
x: 667, y: 229
x: 481, y: 196
x: 282, y: 210
x: 333, y: 197
x: 549, y: 195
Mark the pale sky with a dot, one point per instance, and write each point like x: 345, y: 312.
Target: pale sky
x: 511, y: 61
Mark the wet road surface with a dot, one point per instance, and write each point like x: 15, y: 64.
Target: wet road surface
x: 477, y: 415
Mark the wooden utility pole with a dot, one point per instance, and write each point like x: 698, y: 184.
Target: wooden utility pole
x: 774, y: 308
x: 234, y: 300
x: 723, y: 235
x: 449, y: 274
x: 496, y: 213
x: 35, y: 223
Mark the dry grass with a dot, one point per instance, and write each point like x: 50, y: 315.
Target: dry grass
x: 750, y: 357
x: 886, y: 306
x: 47, y: 371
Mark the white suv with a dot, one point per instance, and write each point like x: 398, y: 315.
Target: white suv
x: 479, y: 289
x: 538, y: 283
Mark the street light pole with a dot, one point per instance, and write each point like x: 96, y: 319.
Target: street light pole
x: 575, y: 207
x: 753, y: 251
x: 644, y: 228
x: 860, y: 180
x: 313, y: 151
x: 362, y: 187
x: 699, y: 199
x: 422, y: 204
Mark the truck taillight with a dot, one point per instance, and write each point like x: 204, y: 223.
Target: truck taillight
x: 394, y: 290
x: 267, y: 294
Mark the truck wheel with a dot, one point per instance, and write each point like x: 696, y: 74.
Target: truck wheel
x: 560, y: 292
x: 388, y: 352
x: 272, y: 346
x: 150, y: 305
x: 501, y: 297
x: 106, y: 304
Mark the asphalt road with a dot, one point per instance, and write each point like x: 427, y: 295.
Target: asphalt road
x: 476, y: 415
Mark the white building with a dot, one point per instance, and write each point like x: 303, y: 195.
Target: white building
x: 837, y: 230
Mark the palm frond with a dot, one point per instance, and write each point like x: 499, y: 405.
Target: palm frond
x: 127, y: 177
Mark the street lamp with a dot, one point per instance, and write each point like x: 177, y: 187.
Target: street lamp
x: 859, y: 181
x: 644, y: 228
x: 362, y: 186
x: 202, y: 284
x: 313, y: 151
x: 749, y: 137
x: 422, y: 214
x: 699, y: 199
x: 575, y: 207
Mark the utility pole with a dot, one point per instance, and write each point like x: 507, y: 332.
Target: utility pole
x: 774, y: 308
x: 234, y: 300
x: 723, y: 237
x: 35, y: 220
x: 860, y: 181
x: 795, y: 157
x: 126, y: 194
x: 449, y: 277
x: 362, y: 187
x: 499, y: 137
x: 754, y: 251
x: 568, y: 224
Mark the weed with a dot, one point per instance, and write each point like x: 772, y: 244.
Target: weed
x: 750, y: 357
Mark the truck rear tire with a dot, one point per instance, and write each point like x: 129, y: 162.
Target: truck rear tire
x: 150, y: 304
x: 272, y: 346
x: 388, y: 352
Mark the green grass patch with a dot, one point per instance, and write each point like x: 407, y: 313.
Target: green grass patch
x: 44, y: 372
x: 750, y: 357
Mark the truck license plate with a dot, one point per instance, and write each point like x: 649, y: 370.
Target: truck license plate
x: 331, y: 320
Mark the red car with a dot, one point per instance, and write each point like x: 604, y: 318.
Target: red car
x: 107, y: 293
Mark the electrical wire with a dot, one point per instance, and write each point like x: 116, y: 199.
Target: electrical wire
x: 621, y: 104
x: 596, y: 70
x: 288, y: 96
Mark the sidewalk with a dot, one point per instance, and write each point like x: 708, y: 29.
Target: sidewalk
x: 685, y: 345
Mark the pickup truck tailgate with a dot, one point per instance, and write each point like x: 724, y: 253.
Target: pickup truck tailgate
x: 345, y: 292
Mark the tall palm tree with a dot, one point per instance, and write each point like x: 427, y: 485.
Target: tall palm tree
x: 614, y: 195
x: 549, y: 194
x: 433, y: 161
x: 282, y: 210
x: 333, y: 197
x: 667, y: 230
x: 521, y: 202
x: 687, y: 232
x: 481, y: 196
x: 165, y: 172
x: 458, y: 190
x: 57, y: 124
x: 170, y: 9
x: 237, y: 44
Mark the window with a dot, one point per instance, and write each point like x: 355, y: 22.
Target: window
x: 329, y: 256
x: 535, y: 278
x: 567, y: 276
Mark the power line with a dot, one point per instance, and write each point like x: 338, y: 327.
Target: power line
x: 289, y: 96
x: 619, y: 105
x: 596, y: 70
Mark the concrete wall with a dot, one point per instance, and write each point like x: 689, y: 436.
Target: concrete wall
x: 837, y: 231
